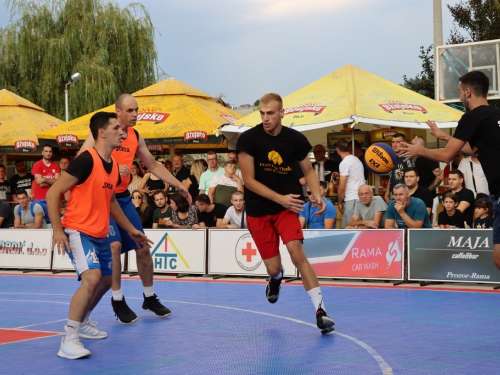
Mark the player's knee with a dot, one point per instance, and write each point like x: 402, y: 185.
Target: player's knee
x: 273, y: 270
x: 116, y: 248
x: 91, y: 278
x: 106, y: 281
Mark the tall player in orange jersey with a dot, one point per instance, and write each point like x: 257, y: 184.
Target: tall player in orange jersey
x: 133, y: 144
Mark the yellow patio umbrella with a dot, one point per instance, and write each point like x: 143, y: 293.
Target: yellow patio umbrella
x: 20, y: 121
x: 352, y: 96
x: 171, y: 113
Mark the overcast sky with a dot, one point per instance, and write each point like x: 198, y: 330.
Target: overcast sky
x: 245, y: 48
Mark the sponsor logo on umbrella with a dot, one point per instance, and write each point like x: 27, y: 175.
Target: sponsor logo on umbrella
x: 24, y: 146
x: 153, y: 116
x: 195, y: 135
x: 231, y: 119
x: 400, y: 106
x: 67, y: 140
x: 155, y: 148
x: 316, y: 109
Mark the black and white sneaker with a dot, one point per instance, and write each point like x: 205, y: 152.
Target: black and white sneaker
x: 324, y: 322
x: 154, y: 305
x: 123, y: 313
x: 273, y: 288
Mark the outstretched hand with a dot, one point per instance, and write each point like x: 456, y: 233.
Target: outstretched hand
x: 435, y: 131
x: 408, y: 150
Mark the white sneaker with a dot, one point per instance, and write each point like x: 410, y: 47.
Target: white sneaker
x: 72, y: 348
x: 88, y: 330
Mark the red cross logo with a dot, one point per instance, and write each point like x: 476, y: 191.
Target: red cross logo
x: 248, y: 252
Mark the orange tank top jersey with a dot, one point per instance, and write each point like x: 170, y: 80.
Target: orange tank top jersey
x: 125, y: 155
x: 95, y: 193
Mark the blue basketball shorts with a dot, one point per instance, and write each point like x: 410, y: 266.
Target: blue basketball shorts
x: 117, y: 234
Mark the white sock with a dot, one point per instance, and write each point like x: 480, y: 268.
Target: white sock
x: 278, y: 276
x: 72, y: 328
x: 117, y: 294
x: 87, y: 317
x: 148, y: 291
x: 316, y: 298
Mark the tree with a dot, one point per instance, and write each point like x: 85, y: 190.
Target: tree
x: 49, y: 40
x: 474, y: 21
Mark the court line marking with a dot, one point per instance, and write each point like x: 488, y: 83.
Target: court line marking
x: 384, y: 366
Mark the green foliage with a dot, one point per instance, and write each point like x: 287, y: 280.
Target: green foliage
x: 49, y: 40
x: 423, y: 83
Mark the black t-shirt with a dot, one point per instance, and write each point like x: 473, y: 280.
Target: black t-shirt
x: 182, y: 174
x: 7, y: 213
x: 425, y: 171
x: 82, y: 166
x: 329, y: 166
x: 17, y: 182
x: 210, y: 218
x: 424, y: 194
x: 479, y: 223
x: 194, y: 188
x: 456, y: 220
x: 480, y: 127
x: 275, y: 158
x: 468, y: 196
x: 397, y: 174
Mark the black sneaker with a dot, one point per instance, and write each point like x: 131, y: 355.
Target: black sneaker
x: 123, y: 313
x: 273, y: 288
x: 153, y: 304
x: 324, y: 323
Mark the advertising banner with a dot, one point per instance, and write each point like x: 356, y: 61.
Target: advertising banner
x: 62, y: 262
x: 356, y: 254
x: 452, y: 255
x: 233, y: 252
x: 175, y: 251
x: 26, y: 248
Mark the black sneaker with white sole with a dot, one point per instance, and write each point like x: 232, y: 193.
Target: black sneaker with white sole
x: 324, y: 322
x: 273, y: 288
x: 123, y: 313
x: 154, y: 305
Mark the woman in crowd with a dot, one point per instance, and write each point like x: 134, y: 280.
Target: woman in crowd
x: 136, y: 176
x: 192, y: 182
x: 183, y: 215
x: 150, y: 183
x: 143, y: 209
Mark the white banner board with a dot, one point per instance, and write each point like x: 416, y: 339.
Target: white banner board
x: 233, y: 252
x: 181, y: 251
x: 62, y: 262
x: 25, y: 248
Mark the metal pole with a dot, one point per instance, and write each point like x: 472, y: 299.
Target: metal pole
x: 66, y: 104
x: 438, y: 39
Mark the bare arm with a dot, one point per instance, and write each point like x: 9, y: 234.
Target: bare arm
x: 313, y: 183
x: 187, y: 183
x: 341, y: 192
x: 387, y: 195
x: 211, y: 193
x: 224, y: 224
x: 42, y: 182
x: 389, y: 223
x: 463, y: 205
x: 38, y: 223
x: 329, y: 223
x: 302, y: 221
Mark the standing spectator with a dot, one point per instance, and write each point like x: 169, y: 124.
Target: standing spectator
x: 474, y: 177
x: 5, y: 189
x: 6, y: 215
x: 144, y: 211
x: 309, y: 217
x: 233, y: 155
x: 21, y: 180
x: 396, y: 176
x: 63, y: 163
x: 351, y: 178
x: 483, y: 210
x: 323, y: 167
x: 46, y: 172
x: 358, y: 152
x: 169, y: 166
x: 465, y: 196
x: 212, y: 171
x: 135, y: 177
x: 406, y: 211
x: 450, y: 217
x: 163, y: 212
x: 180, y: 171
x: 369, y: 211
x: 210, y: 214
x: 223, y: 185
x: 235, y: 216
x: 417, y: 191
x: 184, y: 216
x: 150, y: 183
x: 192, y: 183
x: 427, y: 170
x: 25, y: 216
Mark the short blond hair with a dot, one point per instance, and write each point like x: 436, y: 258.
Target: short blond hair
x: 270, y: 97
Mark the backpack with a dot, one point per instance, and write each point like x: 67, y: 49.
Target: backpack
x: 41, y: 202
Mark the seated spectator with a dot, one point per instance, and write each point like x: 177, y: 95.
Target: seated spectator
x: 234, y: 214
x: 150, y: 183
x: 450, y: 217
x: 369, y: 211
x: 222, y: 186
x: 23, y: 217
x: 483, y: 210
x: 6, y: 215
x: 183, y: 215
x: 412, y: 179
x: 233, y: 155
x: 209, y: 214
x: 163, y: 212
x: 405, y: 211
x: 474, y: 178
x: 62, y: 207
x: 135, y: 177
x: 308, y: 218
x: 144, y: 211
x: 192, y: 183
x: 465, y: 196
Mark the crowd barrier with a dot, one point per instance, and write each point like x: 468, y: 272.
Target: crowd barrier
x: 434, y: 255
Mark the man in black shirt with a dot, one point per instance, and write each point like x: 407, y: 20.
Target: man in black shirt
x: 6, y: 215
x: 465, y: 196
x: 180, y: 171
x: 416, y: 191
x: 478, y: 134
x: 21, y: 180
x: 428, y: 171
x: 209, y: 214
x: 323, y: 166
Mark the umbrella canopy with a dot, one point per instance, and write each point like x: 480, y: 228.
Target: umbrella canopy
x: 20, y: 121
x: 171, y: 113
x: 350, y: 96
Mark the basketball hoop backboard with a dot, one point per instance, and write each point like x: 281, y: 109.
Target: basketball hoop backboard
x: 457, y: 59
